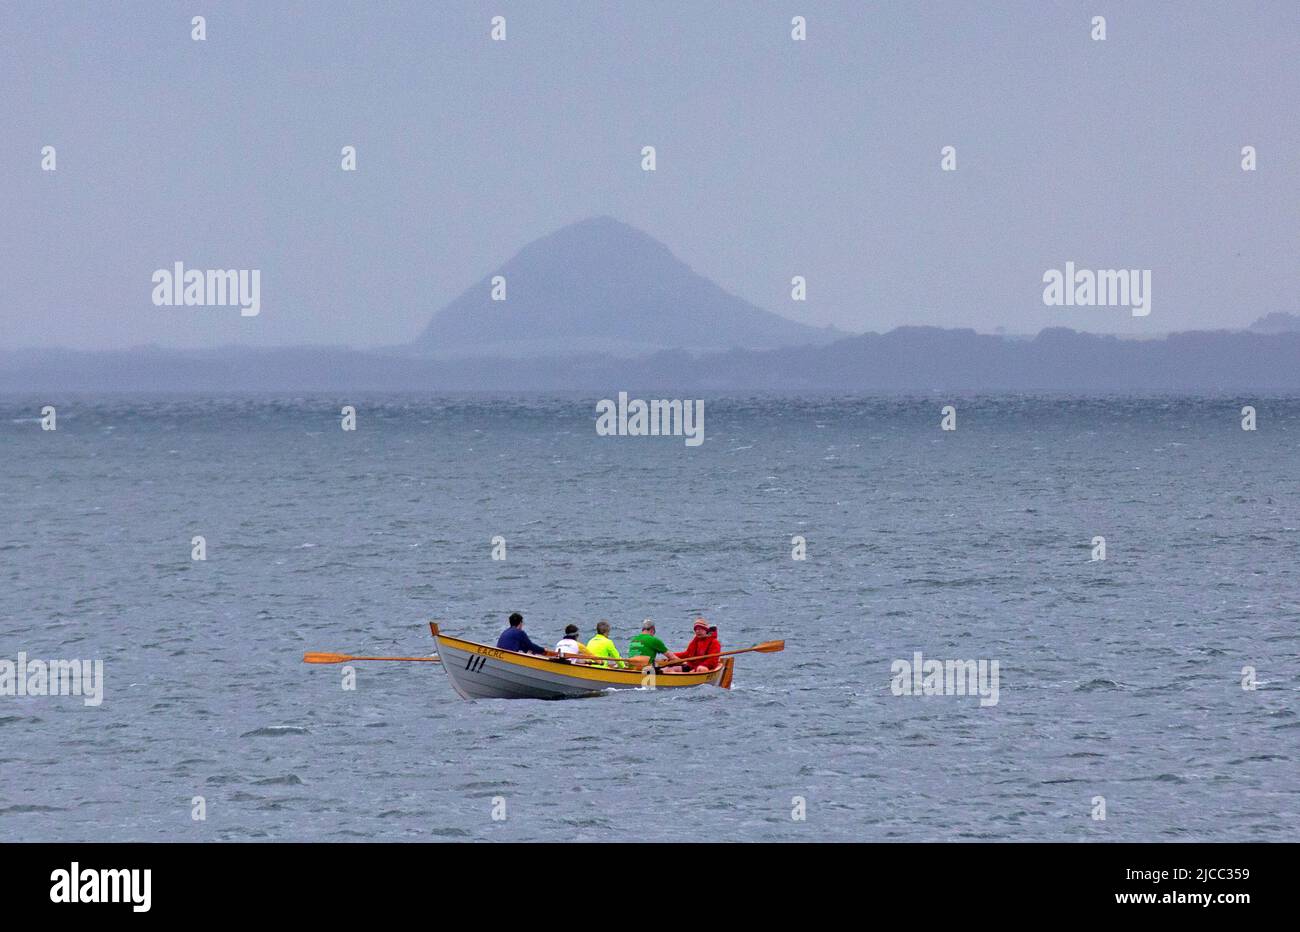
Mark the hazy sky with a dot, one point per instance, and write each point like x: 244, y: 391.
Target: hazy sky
x: 775, y: 157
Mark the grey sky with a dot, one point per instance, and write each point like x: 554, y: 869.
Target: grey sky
x: 776, y: 158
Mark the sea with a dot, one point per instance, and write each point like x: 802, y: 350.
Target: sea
x: 1130, y: 564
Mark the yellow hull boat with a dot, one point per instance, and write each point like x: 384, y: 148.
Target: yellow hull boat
x: 477, y: 671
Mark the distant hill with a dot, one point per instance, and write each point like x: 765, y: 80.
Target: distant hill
x: 602, y: 286
x: 910, y: 359
x: 1276, y: 322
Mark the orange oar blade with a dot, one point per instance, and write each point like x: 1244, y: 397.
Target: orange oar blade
x: 314, y: 657
x: 770, y: 647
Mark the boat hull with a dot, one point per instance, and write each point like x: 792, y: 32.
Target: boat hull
x: 477, y: 671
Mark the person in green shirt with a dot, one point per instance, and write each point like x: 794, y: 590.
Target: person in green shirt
x: 601, y: 646
x: 646, y: 644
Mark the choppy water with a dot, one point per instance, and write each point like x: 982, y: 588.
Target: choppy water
x: 1119, y: 679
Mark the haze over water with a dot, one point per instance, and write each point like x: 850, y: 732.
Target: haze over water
x: 1119, y: 678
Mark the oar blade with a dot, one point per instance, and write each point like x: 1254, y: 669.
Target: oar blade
x: 770, y: 647
x: 318, y: 657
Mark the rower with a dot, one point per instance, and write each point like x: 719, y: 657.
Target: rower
x: 513, y: 638
x: 704, y: 644
x: 602, y: 646
x: 569, y: 644
x: 646, y: 644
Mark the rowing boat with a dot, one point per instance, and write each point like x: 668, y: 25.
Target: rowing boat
x: 477, y: 671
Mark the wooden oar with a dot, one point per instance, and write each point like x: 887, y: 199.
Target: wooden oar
x: 317, y: 657
x: 767, y: 647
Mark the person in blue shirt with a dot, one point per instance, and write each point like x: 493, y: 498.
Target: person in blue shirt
x: 513, y: 638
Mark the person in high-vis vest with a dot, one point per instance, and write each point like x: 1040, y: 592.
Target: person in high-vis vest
x: 601, y: 646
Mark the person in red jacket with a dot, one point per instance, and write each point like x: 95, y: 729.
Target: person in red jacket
x: 704, y: 644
